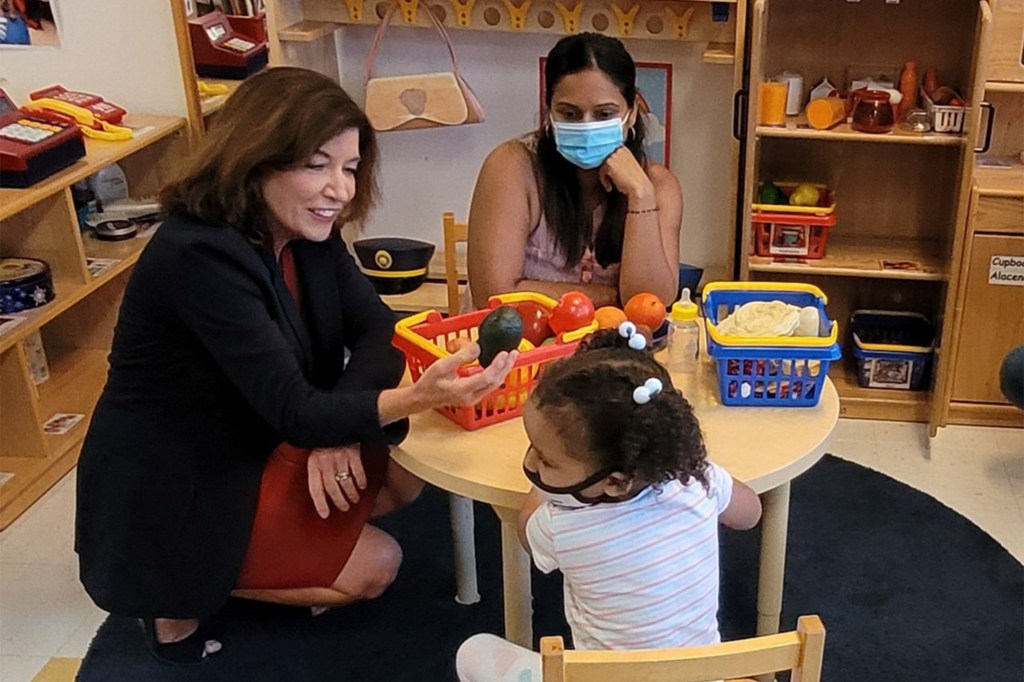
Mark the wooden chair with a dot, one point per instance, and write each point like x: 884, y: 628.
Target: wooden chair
x: 460, y: 508
x: 800, y: 651
x: 454, y: 234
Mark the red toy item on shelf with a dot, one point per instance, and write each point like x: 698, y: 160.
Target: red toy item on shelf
x: 100, y: 108
x: 220, y: 51
x: 35, y: 144
x: 790, y: 235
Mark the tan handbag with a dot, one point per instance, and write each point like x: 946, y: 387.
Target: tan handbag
x: 425, y: 100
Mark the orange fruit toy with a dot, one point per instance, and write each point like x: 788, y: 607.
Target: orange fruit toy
x: 646, y: 309
x: 609, y: 317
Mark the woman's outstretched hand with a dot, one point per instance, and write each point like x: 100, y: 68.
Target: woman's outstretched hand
x: 337, y: 475
x: 441, y: 385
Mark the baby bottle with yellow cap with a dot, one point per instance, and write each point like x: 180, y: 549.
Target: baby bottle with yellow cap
x: 683, y: 335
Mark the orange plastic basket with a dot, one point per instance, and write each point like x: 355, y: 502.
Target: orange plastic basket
x: 424, y: 337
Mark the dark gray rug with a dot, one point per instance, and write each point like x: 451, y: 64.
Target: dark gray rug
x: 908, y: 589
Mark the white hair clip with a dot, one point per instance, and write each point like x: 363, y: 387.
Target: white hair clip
x: 637, y: 341
x: 643, y: 394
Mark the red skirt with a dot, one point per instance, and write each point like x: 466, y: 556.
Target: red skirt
x: 291, y: 546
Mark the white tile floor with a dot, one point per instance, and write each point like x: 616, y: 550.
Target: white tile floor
x: 44, y: 612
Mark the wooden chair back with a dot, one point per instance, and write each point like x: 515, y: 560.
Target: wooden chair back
x: 454, y: 234
x: 799, y: 651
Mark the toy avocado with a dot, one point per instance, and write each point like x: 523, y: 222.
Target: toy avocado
x: 502, y: 329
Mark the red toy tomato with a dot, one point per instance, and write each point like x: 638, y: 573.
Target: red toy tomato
x: 535, y: 321
x: 573, y: 311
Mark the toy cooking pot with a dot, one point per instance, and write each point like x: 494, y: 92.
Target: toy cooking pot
x: 395, y: 265
x: 873, y: 110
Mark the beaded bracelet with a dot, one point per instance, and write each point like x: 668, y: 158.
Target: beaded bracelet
x: 641, y: 211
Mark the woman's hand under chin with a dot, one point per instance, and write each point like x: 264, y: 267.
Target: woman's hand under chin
x: 623, y: 173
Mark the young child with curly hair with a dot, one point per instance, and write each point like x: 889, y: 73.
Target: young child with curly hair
x: 625, y: 503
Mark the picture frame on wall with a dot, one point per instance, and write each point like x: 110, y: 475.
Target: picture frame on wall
x: 29, y: 23
x: 654, y: 89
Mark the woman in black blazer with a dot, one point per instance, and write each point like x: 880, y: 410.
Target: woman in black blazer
x: 231, y: 344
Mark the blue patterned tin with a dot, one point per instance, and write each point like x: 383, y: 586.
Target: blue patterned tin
x: 25, y: 283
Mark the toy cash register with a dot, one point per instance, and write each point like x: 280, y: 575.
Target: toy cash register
x: 221, y: 52
x: 35, y: 144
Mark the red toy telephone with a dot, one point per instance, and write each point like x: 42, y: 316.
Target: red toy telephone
x: 101, y: 109
x: 95, y: 117
x: 35, y: 144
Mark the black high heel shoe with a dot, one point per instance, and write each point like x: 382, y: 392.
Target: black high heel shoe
x: 193, y: 649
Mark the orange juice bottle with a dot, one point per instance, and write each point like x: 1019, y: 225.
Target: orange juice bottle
x: 771, y: 104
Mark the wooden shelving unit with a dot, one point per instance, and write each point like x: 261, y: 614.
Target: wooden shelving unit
x: 689, y: 20
x: 969, y: 392
x: 307, y: 31
x: 148, y: 130
x: 863, y: 258
x: 796, y: 128
x: 876, y: 403
x: 900, y: 196
x: 76, y: 328
x: 212, y: 104
x: 303, y: 33
x: 1006, y: 182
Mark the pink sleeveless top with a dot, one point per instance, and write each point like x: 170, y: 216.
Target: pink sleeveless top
x: 543, y: 261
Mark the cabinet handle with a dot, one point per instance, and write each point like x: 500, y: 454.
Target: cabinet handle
x: 739, y: 115
x: 988, y: 127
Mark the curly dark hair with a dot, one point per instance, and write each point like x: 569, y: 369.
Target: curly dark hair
x: 653, y: 443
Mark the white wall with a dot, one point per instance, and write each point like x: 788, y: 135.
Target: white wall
x: 426, y: 172
x: 124, y: 50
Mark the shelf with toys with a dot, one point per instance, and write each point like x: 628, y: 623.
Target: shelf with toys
x: 302, y: 33
x: 796, y: 127
x: 876, y: 257
x: 900, y: 196
x: 53, y: 353
x: 695, y: 20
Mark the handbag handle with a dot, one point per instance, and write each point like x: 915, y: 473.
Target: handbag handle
x: 371, y: 57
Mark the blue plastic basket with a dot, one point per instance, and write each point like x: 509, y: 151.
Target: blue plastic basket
x: 893, y: 349
x: 769, y: 372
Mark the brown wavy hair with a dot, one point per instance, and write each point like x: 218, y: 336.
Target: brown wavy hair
x: 653, y: 443
x: 275, y: 121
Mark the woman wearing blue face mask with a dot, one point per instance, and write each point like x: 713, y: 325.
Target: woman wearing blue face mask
x: 576, y: 205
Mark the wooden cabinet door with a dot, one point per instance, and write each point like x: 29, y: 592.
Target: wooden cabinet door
x: 1007, y: 56
x: 993, y: 317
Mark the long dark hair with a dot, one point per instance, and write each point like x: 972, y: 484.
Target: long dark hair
x: 654, y: 442
x: 275, y: 121
x: 559, y: 181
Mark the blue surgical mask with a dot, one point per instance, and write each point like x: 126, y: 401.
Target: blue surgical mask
x: 588, y: 144
x: 570, y: 496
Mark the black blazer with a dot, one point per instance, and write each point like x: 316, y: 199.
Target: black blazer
x: 212, y: 366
